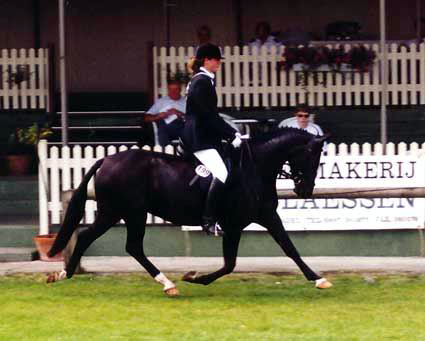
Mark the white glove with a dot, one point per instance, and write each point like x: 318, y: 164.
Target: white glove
x: 237, y: 141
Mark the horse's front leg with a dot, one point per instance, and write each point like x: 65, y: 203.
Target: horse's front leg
x: 271, y: 221
x: 136, y: 223
x: 230, y: 251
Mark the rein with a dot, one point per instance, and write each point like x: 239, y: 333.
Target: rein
x: 249, y: 151
x: 297, y: 178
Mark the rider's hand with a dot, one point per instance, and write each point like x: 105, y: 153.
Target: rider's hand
x: 237, y: 141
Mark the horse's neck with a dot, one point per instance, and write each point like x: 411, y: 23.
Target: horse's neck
x: 271, y: 155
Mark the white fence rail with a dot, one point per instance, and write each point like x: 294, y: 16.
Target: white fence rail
x: 252, y: 79
x: 62, y: 169
x: 32, y: 93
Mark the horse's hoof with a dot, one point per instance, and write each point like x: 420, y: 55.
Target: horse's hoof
x: 172, y: 292
x: 323, y: 283
x: 52, y: 277
x: 190, y: 276
x: 56, y: 276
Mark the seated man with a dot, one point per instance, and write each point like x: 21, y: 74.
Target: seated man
x: 302, y: 120
x: 263, y: 37
x: 168, y: 113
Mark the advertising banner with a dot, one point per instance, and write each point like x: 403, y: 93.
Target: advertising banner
x: 357, y: 214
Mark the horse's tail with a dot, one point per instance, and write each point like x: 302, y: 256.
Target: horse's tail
x: 74, y: 213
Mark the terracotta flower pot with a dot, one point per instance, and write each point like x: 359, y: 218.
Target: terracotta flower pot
x: 43, y: 243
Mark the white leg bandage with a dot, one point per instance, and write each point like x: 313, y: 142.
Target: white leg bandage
x: 320, y: 281
x: 161, y: 278
x: 62, y: 275
x: 211, y: 159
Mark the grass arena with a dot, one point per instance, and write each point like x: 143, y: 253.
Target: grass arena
x: 248, y: 306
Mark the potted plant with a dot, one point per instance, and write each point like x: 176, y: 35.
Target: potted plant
x: 361, y: 58
x: 43, y: 244
x: 22, y: 146
x: 21, y: 74
x: 308, y: 60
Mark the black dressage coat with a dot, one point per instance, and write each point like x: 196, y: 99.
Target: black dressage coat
x: 204, y: 128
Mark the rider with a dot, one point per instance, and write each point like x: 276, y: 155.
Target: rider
x: 204, y: 128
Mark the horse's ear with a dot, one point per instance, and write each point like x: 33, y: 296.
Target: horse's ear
x: 317, y: 142
x: 321, y: 139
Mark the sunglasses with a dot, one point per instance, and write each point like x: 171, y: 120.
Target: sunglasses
x: 303, y: 115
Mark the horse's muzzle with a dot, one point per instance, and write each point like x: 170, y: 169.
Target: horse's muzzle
x: 303, y: 193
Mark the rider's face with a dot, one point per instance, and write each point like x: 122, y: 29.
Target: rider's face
x: 212, y: 65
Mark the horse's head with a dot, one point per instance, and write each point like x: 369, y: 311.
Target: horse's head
x: 304, y: 162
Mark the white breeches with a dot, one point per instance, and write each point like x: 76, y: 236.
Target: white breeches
x: 211, y: 159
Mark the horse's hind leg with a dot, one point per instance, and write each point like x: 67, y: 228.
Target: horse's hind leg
x: 136, y: 224
x: 102, y: 223
x: 230, y: 250
x: 85, y: 238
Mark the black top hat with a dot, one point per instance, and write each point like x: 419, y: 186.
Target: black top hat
x: 209, y: 51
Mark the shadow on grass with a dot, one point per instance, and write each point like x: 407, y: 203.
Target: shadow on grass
x: 265, y: 288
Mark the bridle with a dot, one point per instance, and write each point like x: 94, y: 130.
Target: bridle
x: 297, y: 177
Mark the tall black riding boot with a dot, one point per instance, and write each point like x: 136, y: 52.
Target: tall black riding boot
x: 209, y: 217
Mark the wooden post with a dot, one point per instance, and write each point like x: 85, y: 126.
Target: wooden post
x: 36, y: 23
x: 150, y: 71
x: 52, y: 78
x: 237, y: 7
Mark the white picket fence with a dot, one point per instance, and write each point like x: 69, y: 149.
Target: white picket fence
x: 252, y: 79
x: 62, y: 169
x: 29, y: 94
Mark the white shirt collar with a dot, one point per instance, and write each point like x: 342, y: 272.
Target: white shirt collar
x: 202, y: 71
x: 209, y: 74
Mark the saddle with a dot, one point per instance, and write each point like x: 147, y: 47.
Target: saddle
x: 203, y: 175
x: 242, y: 183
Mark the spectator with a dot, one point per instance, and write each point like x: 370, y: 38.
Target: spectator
x: 168, y: 112
x: 264, y: 37
x: 204, y: 35
x: 302, y: 120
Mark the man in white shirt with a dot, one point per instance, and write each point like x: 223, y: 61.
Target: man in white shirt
x: 302, y: 120
x: 168, y: 113
x: 264, y: 38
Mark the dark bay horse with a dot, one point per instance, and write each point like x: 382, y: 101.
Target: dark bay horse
x: 131, y: 184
